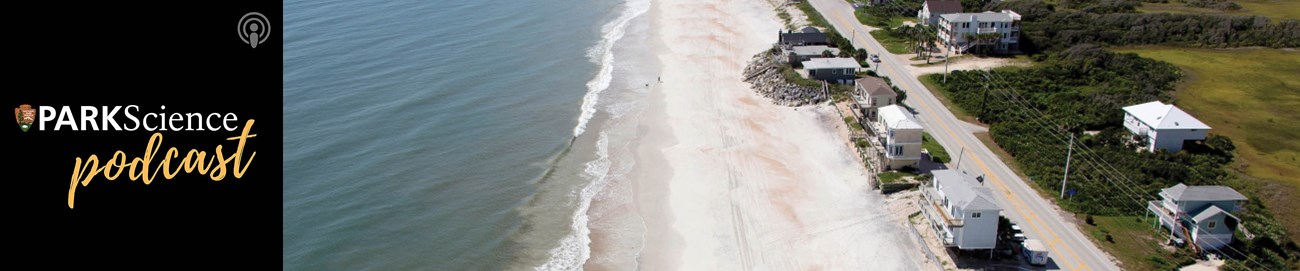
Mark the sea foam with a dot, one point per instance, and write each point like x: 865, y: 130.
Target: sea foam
x: 603, y: 54
x: 574, y: 249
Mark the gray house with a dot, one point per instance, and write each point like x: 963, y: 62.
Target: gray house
x: 1201, y: 214
x: 839, y: 69
x: 871, y: 94
x: 806, y: 36
x: 799, y: 54
x: 961, y: 210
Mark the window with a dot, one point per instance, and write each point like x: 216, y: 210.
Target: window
x: 975, y: 215
x: 1212, y: 224
x: 898, y: 150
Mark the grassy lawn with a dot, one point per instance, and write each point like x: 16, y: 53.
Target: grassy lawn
x: 933, y: 87
x: 794, y: 77
x: 936, y: 151
x: 1274, y: 9
x: 893, y: 176
x: 877, y: 22
x: 894, y: 45
x: 853, y: 124
x: 1252, y: 96
x: 1134, y: 242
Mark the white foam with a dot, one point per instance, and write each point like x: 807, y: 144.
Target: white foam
x: 603, y: 54
x: 574, y: 248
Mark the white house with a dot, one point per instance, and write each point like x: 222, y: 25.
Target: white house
x: 837, y: 69
x: 899, y: 136
x: 1202, y: 214
x: 871, y: 93
x: 961, y: 210
x: 931, y: 9
x: 1163, y: 126
x: 961, y: 31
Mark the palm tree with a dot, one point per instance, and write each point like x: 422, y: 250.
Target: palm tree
x: 929, y: 35
x: 988, y: 40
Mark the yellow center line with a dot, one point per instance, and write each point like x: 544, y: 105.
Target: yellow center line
x: 1029, y: 216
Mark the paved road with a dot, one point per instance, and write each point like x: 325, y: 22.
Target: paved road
x: 1069, y: 249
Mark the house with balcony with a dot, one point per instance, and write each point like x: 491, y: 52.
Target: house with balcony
x: 1199, y: 214
x: 961, y: 210
x: 997, y: 32
x: 835, y: 69
x: 1157, y: 125
x: 871, y: 93
x: 899, y: 137
x: 931, y: 9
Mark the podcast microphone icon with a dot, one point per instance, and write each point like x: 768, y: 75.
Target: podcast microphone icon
x: 253, y: 28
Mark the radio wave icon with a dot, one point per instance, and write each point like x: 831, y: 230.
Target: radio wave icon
x: 253, y: 29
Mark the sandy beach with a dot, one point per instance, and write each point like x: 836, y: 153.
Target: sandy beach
x: 726, y: 180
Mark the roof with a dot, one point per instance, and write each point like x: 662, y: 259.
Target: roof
x: 964, y: 190
x: 1210, y: 212
x: 802, y: 38
x: 1034, y: 245
x: 875, y: 87
x: 1159, y: 115
x: 943, y: 6
x: 895, y: 117
x: 809, y: 29
x: 831, y: 63
x: 811, y: 50
x: 1182, y: 192
x: 987, y: 16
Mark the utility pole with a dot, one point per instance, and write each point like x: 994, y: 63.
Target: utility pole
x: 1068, y: 153
x: 961, y: 155
x: 945, y: 64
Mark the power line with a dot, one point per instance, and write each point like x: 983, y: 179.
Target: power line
x: 1107, y: 169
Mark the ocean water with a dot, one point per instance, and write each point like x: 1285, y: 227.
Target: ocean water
x: 456, y: 135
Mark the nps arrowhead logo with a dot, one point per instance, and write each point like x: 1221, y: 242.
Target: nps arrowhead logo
x: 25, y: 116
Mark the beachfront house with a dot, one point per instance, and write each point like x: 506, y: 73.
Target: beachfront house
x: 899, y: 136
x: 931, y: 9
x: 997, y: 32
x: 799, y: 54
x: 961, y: 210
x: 806, y: 36
x: 1202, y: 214
x: 871, y: 93
x: 1157, y: 125
x: 836, y: 70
